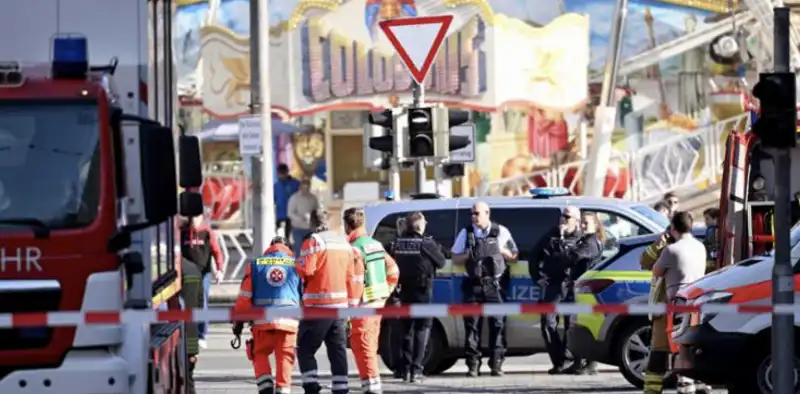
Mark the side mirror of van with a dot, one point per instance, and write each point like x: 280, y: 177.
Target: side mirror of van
x: 191, y: 204
x: 191, y: 172
x: 159, y: 183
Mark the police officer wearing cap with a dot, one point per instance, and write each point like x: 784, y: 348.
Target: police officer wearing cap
x: 483, y: 248
x: 554, y: 258
x: 418, y: 256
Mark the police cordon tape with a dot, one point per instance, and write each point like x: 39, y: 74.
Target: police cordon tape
x: 82, y: 318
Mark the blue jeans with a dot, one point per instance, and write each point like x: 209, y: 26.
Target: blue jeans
x: 297, y: 237
x: 202, y: 327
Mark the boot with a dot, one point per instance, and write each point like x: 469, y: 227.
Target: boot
x: 473, y: 369
x: 653, y: 383
x: 497, y: 367
x: 686, y: 386
x: 415, y: 377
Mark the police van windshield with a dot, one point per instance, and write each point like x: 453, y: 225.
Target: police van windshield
x: 652, y: 215
x: 49, y: 163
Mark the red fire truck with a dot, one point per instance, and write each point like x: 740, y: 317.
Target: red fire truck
x: 88, y: 195
x: 746, y: 201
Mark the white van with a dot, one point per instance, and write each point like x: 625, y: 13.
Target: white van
x: 732, y: 349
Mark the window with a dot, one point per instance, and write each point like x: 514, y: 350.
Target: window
x: 528, y: 226
x: 652, y: 215
x: 50, y: 162
x: 441, y: 226
x: 629, y: 261
x: 617, y: 227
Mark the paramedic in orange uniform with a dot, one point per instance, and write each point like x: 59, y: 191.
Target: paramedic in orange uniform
x: 271, y: 281
x: 380, y: 278
x: 327, y: 266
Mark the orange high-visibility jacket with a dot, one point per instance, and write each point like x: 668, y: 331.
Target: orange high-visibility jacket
x: 327, y: 266
x: 392, y: 272
x: 245, y: 299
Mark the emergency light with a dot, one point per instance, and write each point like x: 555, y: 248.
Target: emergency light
x: 388, y: 196
x: 545, y: 192
x: 70, y: 57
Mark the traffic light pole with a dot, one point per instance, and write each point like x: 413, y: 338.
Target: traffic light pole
x: 263, y: 200
x: 782, y: 281
x: 418, y: 96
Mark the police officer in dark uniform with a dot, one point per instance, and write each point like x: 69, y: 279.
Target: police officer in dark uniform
x: 552, y: 274
x: 418, y: 257
x: 484, y: 247
x: 394, y: 327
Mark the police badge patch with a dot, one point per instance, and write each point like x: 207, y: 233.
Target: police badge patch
x: 276, y: 276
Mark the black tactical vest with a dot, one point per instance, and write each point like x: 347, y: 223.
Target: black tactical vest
x: 485, y: 259
x: 414, y: 269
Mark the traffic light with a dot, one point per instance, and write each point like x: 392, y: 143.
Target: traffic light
x: 457, y: 118
x: 385, y: 142
x: 420, y: 132
x: 776, y: 125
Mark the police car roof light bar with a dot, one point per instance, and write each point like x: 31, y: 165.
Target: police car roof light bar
x: 70, y: 57
x: 546, y: 192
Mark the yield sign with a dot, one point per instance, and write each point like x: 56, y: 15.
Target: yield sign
x: 417, y: 41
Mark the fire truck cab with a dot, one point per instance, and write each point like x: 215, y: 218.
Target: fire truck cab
x: 89, y: 167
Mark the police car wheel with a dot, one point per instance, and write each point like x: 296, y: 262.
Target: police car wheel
x: 632, y: 350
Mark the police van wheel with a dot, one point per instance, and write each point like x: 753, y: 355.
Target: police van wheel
x: 435, y: 360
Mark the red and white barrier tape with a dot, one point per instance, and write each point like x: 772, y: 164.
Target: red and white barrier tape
x: 80, y: 318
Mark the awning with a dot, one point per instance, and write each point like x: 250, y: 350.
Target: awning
x: 228, y: 129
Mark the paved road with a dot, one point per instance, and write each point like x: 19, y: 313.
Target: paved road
x: 222, y: 370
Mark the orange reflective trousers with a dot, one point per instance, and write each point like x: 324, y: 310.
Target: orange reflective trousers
x: 265, y: 343
x: 364, y: 337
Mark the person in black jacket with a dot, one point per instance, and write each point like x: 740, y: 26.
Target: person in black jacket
x: 587, y: 252
x: 551, y: 272
x: 418, y: 257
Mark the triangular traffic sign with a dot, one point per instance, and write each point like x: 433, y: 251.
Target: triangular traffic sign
x: 417, y: 41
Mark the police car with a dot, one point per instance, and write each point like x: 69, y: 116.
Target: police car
x: 529, y: 219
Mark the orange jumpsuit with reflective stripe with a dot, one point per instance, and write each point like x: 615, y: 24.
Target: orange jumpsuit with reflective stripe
x: 326, y: 266
x: 365, y: 331
x: 278, y: 336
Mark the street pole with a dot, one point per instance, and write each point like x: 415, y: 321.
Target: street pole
x: 394, y: 162
x: 606, y: 112
x: 419, y: 180
x: 782, y: 281
x: 266, y: 212
x: 255, y: 190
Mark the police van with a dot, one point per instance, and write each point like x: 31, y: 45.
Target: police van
x: 530, y: 220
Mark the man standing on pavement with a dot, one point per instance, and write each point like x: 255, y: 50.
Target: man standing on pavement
x: 380, y: 279
x: 483, y: 248
x: 552, y: 274
x: 199, y: 244
x: 327, y: 266
x: 271, y: 281
x: 301, y: 204
x: 284, y: 188
x: 418, y: 257
x: 679, y: 263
